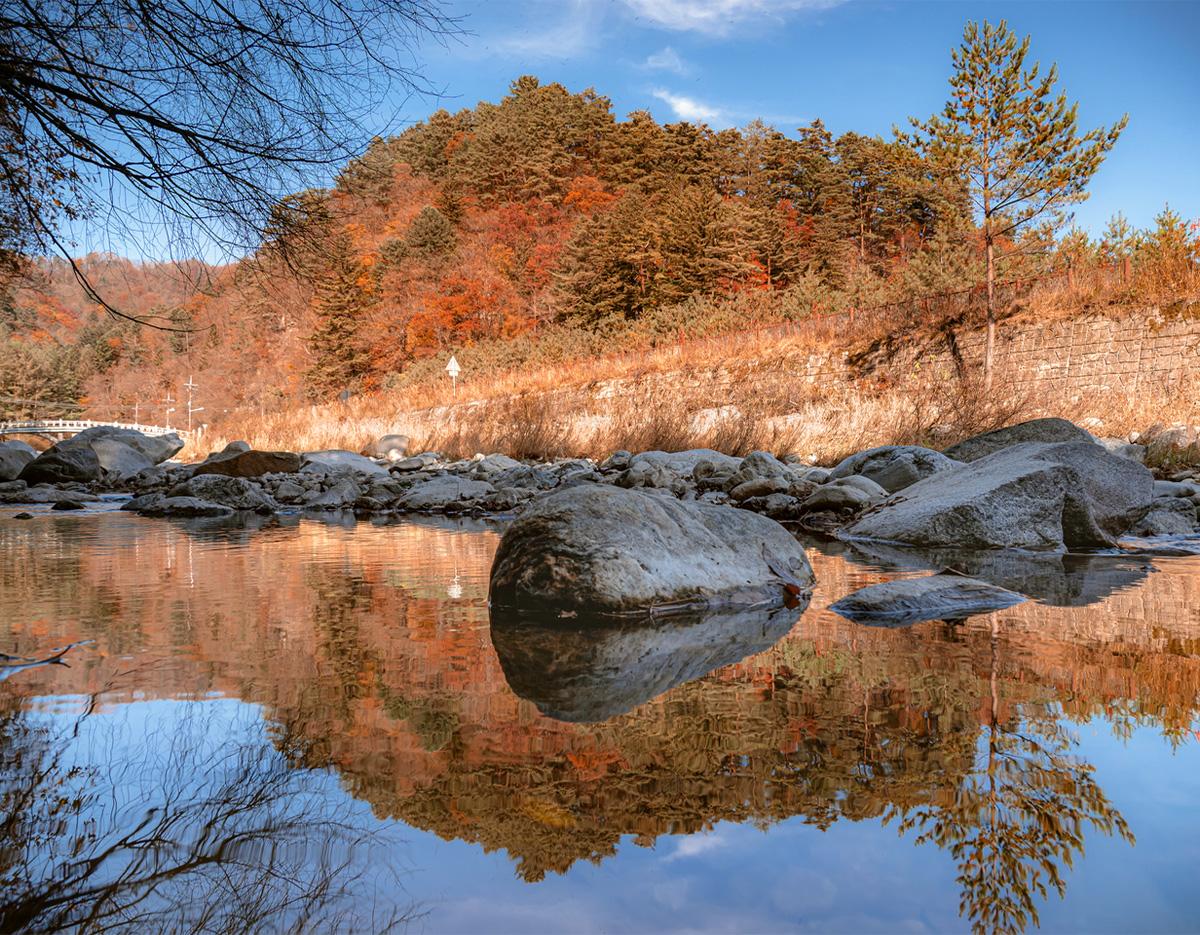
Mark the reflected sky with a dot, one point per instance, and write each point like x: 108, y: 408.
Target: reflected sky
x: 825, y: 777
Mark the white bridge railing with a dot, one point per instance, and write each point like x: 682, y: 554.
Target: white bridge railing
x: 72, y: 426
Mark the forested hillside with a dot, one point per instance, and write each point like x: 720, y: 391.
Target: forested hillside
x: 539, y: 227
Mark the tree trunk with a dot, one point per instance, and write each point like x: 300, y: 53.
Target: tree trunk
x: 989, y: 349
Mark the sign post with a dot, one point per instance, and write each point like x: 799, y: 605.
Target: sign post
x: 454, y: 370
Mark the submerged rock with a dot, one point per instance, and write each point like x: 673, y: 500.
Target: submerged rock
x: 595, y: 549
x: 1026, y: 496
x: 1035, y: 430
x: 909, y: 600
x: 1060, y: 579
x: 592, y: 673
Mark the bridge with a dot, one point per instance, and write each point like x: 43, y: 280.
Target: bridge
x: 64, y: 428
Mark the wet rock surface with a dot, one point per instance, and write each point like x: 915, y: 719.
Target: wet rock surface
x: 936, y: 597
x: 605, y: 550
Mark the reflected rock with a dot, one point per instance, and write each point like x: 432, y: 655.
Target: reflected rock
x: 911, y: 600
x: 1061, y: 579
x: 591, y: 671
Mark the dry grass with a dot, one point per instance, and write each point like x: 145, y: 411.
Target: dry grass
x: 820, y: 422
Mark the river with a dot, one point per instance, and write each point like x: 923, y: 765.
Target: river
x: 310, y: 726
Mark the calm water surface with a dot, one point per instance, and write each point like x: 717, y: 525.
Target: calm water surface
x: 311, y: 726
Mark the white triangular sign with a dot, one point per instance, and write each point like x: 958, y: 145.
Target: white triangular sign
x: 452, y: 367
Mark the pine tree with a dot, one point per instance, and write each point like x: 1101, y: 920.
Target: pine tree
x: 430, y: 235
x: 339, y: 359
x: 1014, y: 140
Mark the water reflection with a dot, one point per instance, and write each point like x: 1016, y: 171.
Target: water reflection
x: 190, y: 822
x: 347, y: 640
x: 593, y: 671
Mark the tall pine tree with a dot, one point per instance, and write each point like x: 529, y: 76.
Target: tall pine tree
x: 1015, y: 141
x: 339, y: 359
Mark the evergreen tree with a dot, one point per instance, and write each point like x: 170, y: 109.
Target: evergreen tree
x: 430, y: 235
x: 1014, y: 140
x: 1120, y: 241
x: 339, y: 359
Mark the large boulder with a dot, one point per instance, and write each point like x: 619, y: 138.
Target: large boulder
x: 894, y: 467
x: 1036, y: 430
x: 599, y: 550
x: 391, y: 447
x: 13, y: 458
x: 156, y: 448
x: 118, y: 459
x: 438, y: 493
x: 62, y: 464
x: 249, y: 463
x: 936, y: 597
x: 337, y: 461
x: 237, y: 493
x: 684, y: 462
x: 183, y: 506
x: 1038, y: 496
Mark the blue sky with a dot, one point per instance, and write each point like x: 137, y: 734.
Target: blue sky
x: 857, y: 64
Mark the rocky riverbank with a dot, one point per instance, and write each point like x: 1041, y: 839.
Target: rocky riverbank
x: 1045, y: 485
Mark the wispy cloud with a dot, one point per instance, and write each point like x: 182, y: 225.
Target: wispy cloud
x: 696, y: 844
x: 575, y: 31
x: 688, y: 108
x: 718, y: 17
x: 667, y: 59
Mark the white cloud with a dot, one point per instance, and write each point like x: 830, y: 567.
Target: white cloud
x: 667, y: 59
x: 688, y: 108
x: 696, y: 844
x: 717, y: 17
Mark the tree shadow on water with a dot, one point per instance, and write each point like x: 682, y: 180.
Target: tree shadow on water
x: 177, y: 821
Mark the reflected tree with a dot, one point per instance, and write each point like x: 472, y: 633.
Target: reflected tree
x: 1018, y: 819
x: 188, y: 832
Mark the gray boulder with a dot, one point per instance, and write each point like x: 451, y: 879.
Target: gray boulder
x: 1038, y: 496
x: 1124, y: 449
x: 118, y: 459
x: 599, y: 550
x: 13, y: 458
x: 235, y: 447
x: 44, y: 493
x: 421, y: 462
x: 62, y: 463
x: 340, y: 496
x: 391, y: 447
x: 237, y: 493
x: 184, y: 506
x: 493, y: 464
x: 1036, y: 430
x: 844, y: 494
x: 1170, y: 516
x: 156, y: 448
x: 894, y: 467
x: 759, y: 487
x: 684, y: 463
x: 336, y: 461
x: 437, y: 493
x: 909, y: 600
